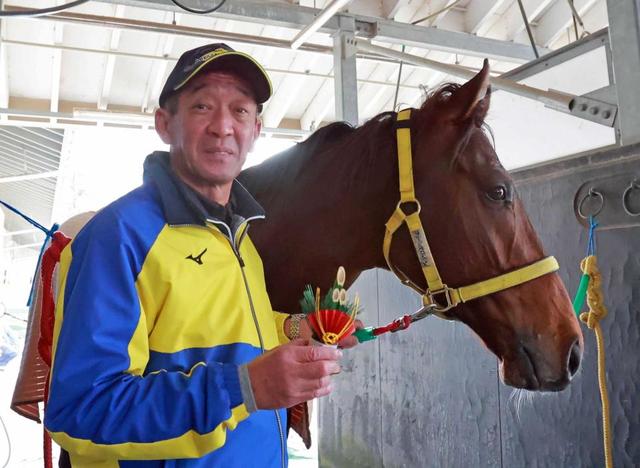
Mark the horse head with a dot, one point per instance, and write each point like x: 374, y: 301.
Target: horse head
x: 477, y: 229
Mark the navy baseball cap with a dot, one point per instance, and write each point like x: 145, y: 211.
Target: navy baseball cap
x: 217, y: 57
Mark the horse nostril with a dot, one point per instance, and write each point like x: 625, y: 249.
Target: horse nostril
x: 574, y: 358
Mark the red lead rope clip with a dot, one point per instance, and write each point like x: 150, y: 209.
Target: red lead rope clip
x: 402, y: 323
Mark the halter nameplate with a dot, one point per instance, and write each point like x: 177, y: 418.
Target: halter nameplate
x: 439, y: 297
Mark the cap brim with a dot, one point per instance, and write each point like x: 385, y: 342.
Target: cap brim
x: 244, y: 65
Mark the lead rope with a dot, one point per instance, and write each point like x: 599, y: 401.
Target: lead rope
x: 591, y: 286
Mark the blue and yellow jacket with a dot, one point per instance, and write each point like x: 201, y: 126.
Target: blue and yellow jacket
x: 158, y: 307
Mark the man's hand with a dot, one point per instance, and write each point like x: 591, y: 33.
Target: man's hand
x: 350, y: 341
x: 292, y: 373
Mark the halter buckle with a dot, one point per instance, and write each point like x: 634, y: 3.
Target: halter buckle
x: 439, y: 301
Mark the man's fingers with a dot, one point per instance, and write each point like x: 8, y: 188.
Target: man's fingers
x: 324, y: 391
x: 348, y: 342
x: 319, y: 353
x: 317, y: 369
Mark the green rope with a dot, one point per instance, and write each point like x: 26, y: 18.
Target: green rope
x: 581, y: 294
x: 578, y: 301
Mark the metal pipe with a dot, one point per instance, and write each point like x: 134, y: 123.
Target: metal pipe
x: 320, y: 20
x: 84, y: 117
x: 117, y: 53
x: 179, y: 30
x: 164, y: 28
x: 554, y: 99
x: 528, y: 26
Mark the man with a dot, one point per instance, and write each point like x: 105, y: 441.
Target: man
x: 165, y: 345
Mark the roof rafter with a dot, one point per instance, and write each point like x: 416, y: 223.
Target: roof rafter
x: 319, y: 107
x: 284, y: 15
x: 390, y: 8
x: 4, y: 78
x: 513, y: 17
x: 557, y: 19
x: 56, y: 67
x: 481, y: 15
x: 159, y: 67
x: 288, y: 91
x: 107, y: 79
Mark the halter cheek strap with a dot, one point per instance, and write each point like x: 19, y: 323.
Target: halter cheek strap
x: 438, y: 297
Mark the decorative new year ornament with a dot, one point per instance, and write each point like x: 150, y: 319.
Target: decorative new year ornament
x: 333, y: 317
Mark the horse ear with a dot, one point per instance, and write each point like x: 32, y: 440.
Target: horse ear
x: 471, y: 100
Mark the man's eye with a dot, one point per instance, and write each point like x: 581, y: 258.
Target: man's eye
x: 200, y: 106
x: 498, y: 193
x: 242, y: 110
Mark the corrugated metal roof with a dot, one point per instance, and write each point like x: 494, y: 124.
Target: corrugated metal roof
x: 28, y: 152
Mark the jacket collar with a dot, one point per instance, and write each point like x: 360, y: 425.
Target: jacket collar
x: 180, y: 202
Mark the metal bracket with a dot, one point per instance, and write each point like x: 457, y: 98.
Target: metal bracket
x: 594, y: 110
x: 366, y: 29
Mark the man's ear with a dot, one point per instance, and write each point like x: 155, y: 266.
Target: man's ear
x: 256, y: 131
x: 162, y: 119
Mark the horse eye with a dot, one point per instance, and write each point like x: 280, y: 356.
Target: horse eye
x: 498, y: 193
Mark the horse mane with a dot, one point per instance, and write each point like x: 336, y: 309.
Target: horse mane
x: 335, y: 140
x: 322, y: 146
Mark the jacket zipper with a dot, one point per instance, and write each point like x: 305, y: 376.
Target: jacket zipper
x: 236, y: 251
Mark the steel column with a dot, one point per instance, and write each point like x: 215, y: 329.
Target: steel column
x: 624, y: 36
x: 344, y: 65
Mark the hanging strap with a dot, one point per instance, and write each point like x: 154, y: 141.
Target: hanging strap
x: 50, y: 259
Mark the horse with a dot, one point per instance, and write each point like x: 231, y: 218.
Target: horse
x: 327, y: 201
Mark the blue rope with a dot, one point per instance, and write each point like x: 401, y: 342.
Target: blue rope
x: 48, y: 235
x: 591, y: 245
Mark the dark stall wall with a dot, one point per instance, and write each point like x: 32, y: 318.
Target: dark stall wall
x: 416, y: 398
x: 431, y: 397
x: 565, y: 429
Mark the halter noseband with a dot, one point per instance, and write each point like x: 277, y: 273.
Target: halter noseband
x: 439, y: 298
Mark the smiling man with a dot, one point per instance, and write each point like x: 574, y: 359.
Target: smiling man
x: 167, y: 351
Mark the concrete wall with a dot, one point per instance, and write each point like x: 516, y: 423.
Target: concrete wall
x: 431, y: 396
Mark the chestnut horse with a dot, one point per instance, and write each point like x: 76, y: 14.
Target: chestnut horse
x: 328, y: 199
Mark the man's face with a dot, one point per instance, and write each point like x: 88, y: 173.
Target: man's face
x: 212, y: 130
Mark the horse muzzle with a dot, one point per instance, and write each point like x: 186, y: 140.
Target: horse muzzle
x: 534, y: 367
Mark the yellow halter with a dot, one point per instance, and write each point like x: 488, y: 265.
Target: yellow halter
x: 439, y: 298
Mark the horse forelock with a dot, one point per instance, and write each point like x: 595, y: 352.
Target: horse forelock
x: 433, y: 104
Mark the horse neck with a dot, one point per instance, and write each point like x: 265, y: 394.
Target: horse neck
x: 331, y: 212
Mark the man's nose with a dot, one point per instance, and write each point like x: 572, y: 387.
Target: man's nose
x: 221, y: 123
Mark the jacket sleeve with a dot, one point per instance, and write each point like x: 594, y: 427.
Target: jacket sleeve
x: 280, y: 318
x: 100, y: 404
